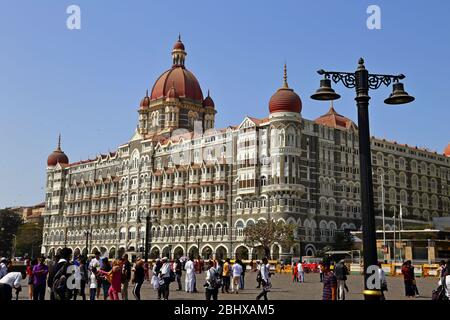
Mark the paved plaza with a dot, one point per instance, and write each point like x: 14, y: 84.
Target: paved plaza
x: 283, y: 289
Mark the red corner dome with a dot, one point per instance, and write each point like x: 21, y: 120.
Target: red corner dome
x: 447, y: 151
x: 285, y: 99
x: 184, y: 82
x: 208, y: 102
x: 57, y: 156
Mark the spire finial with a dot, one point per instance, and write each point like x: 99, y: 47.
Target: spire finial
x: 146, y: 93
x: 179, y: 37
x: 59, y: 142
x: 208, y: 92
x: 285, y: 84
x: 361, y: 64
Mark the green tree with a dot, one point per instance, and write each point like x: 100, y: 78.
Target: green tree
x: 343, y: 240
x: 29, y: 239
x: 9, y: 225
x: 266, y: 233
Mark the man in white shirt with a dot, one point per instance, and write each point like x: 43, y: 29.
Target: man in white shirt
x: 265, y: 274
x: 3, y: 267
x: 7, y: 283
x: 258, y: 273
x: 190, y: 275
x: 95, y: 262
x: 236, y: 271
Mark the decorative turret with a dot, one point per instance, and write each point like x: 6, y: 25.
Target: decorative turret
x: 145, y: 102
x: 208, y: 102
x: 285, y: 99
x: 178, y: 53
x: 57, y: 156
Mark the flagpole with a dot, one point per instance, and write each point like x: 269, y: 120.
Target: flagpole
x: 400, y: 233
x: 401, y: 217
x: 395, y: 227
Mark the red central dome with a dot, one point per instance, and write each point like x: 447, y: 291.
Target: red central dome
x: 184, y: 82
x: 177, y: 79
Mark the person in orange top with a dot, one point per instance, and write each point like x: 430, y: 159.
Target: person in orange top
x: 294, y: 272
x: 115, y: 278
x: 226, y: 276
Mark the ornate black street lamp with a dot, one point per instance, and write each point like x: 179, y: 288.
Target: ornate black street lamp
x: 362, y: 81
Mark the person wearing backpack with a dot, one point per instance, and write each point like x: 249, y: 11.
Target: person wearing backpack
x: 83, y: 275
x: 165, y: 275
x: 60, y: 276
x: 51, y: 274
x: 213, y: 282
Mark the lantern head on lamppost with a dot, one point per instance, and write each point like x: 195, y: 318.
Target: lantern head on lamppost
x: 325, y: 92
x: 399, y: 95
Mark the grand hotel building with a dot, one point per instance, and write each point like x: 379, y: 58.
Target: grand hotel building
x: 202, y: 186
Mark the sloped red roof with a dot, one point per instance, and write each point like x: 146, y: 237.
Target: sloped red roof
x: 259, y: 121
x: 335, y: 120
x: 447, y: 151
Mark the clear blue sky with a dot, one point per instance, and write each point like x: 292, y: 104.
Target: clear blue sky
x: 87, y: 83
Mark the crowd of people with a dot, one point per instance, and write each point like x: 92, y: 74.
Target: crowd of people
x: 68, y: 278
x: 334, y: 277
